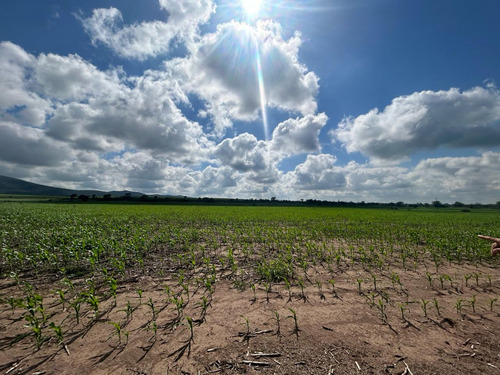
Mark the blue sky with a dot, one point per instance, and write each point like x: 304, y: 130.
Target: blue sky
x: 374, y: 100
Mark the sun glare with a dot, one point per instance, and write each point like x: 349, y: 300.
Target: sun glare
x: 251, y: 7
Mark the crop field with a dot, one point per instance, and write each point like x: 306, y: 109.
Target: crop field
x: 147, y: 289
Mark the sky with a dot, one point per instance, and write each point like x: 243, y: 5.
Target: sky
x: 352, y: 100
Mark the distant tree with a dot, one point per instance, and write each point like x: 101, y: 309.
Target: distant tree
x: 273, y: 199
x: 83, y: 198
x: 458, y: 204
x: 437, y: 204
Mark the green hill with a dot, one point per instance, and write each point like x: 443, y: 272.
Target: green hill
x: 15, y: 186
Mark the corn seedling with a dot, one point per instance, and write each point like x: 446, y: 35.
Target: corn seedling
x: 15, y: 302
x: 458, y: 306
x: 428, y: 275
x: 62, y: 298
x: 467, y: 277
x: 76, y: 307
x: 476, y: 277
x: 139, y: 293
x: 289, y: 289
x: 128, y: 311
x: 301, y: 286
x: 423, y: 305
x: 117, y: 331
x: 58, y: 331
x: 36, y: 329
x: 267, y: 286
x: 359, y: 281
x: 276, y: 317
x: 403, y: 307
x: 374, y: 278
x: 492, y: 302
x: 320, y: 290
x: 332, y: 283
x: 254, y: 292
x: 152, y: 308
x: 395, y: 279
x: 296, y: 328
x: 436, y: 305
x: 382, y: 307
x: 473, y: 303
x: 153, y: 327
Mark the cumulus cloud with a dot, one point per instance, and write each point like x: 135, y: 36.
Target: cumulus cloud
x: 147, y: 39
x: 29, y: 146
x: 467, y: 179
x: 425, y: 120
x: 318, y: 172
x: 223, y: 70
x: 295, y: 136
x: 246, y: 154
x: 70, y: 77
x: 18, y: 98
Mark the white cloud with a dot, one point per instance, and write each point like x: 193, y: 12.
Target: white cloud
x: 18, y: 98
x: 249, y: 156
x: 467, y: 179
x: 295, y: 136
x: 74, y: 102
x: 318, y: 172
x: 223, y: 70
x: 425, y: 120
x: 29, y: 146
x: 71, y: 78
x: 147, y: 39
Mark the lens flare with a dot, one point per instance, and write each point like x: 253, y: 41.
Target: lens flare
x: 262, y: 91
x: 251, y: 7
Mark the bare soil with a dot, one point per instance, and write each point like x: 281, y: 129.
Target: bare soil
x: 340, y: 331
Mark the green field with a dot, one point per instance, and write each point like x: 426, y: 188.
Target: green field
x: 61, y: 237
x: 81, y: 257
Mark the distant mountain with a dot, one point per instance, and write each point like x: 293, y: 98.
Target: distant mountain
x: 15, y: 186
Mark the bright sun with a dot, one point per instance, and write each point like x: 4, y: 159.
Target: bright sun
x: 251, y: 7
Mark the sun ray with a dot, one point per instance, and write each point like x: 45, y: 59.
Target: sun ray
x: 262, y: 90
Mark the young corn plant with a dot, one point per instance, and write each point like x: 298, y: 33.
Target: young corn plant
x: 382, y: 308
x: 152, y: 308
x: 332, y: 283
x: 320, y: 290
x: 476, y: 277
x: 139, y: 293
x: 473, y: 303
x: 423, y: 304
x: 374, y: 278
x: 436, y: 305
x: 403, y: 307
x: 428, y: 275
x: 58, y: 332
x: 467, y: 277
x: 252, y: 286
x: 359, y: 282
x: 296, y: 328
x: 118, y: 331
x: 76, y: 307
x: 62, y: 298
x: 276, y: 317
x: 301, y: 286
x: 458, y: 306
x: 492, y: 302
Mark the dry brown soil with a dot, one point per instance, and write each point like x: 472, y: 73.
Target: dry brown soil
x: 339, y: 333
